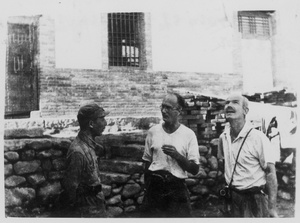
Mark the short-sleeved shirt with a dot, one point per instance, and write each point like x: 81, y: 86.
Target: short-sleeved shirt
x: 183, y: 139
x: 252, y: 161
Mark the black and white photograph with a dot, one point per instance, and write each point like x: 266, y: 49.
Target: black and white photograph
x: 139, y: 109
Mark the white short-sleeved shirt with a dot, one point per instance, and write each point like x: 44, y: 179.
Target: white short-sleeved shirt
x: 183, y: 139
x: 252, y: 161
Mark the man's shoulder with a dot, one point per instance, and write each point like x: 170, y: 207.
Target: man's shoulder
x: 186, y: 130
x: 257, y: 133
x: 76, y: 146
x: 155, y: 128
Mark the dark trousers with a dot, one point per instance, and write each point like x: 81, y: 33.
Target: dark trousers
x: 249, y: 205
x: 166, y: 196
x: 86, y: 205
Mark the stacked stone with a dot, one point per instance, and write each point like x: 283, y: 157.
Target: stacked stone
x: 33, y: 169
x: 205, y: 116
x: 122, y: 185
x: 286, y: 177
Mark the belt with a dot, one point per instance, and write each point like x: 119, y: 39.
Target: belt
x: 165, y: 176
x: 252, y: 190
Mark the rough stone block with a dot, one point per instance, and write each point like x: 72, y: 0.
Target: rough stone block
x: 117, y: 190
x: 49, y: 190
x: 28, y: 155
x: 36, y: 179
x: 23, y: 167
x: 114, y: 200
x: 8, y: 169
x: 23, y: 133
x: 14, y: 181
x: 63, y: 143
x: 110, y: 178
x: 203, y: 149
x: 39, y: 144
x: 284, y: 195
x: 119, y: 166
x: 11, y: 199
x: 49, y: 153
x: 140, y: 199
x: 114, y: 211
x: 191, y: 181
x: 130, y: 190
x: 16, y: 196
x: 210, y: 182
x: 212, y: 174
x: 130, y: 208
x: 57, y: 175
x: 213, y: 163
x: 59, y: 164
x: 11, y: 156
x: 128, y: 202
x: 14, y: 145
x: 106, y: 189
x: 47, y: 165
x: 203, y: 161
x: 200, y: 189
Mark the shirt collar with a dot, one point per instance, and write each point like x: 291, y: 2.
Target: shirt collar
x: 87, y: 140
x: 242, y: 133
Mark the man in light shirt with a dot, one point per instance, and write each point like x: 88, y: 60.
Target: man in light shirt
x: 255, y: 169
x: 171, y: 150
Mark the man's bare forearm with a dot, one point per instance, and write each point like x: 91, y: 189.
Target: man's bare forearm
x: 272, y: 188
x: 187, y: 165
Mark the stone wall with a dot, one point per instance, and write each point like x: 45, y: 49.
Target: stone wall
x: 34, y: 167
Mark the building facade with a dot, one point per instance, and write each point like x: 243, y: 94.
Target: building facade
x: 125, y: 57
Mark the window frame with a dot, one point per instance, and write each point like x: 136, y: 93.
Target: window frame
x: 254, y: 21
x: 141, y: 41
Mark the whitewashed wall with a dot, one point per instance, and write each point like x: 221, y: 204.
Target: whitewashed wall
x: 188, y: 36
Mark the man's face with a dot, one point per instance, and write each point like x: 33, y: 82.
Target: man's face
x: 234, y: 108
x: 170, y: 109
x: 99, y: 124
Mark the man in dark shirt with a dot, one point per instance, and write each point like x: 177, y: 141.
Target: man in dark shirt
x: 82, y: 185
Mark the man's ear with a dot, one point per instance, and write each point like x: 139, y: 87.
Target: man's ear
x: 91, y: 124
x: 246, y: 110
x: 179, y: 110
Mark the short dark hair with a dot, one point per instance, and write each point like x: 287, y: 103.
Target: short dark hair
x: 180, y: 99
x: 87, y: 113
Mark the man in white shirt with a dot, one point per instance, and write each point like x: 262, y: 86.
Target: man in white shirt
x: 171, y: 150
x: 255, y: 168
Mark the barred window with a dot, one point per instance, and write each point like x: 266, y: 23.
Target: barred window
x: 124, y: 39
x: 254, y: 24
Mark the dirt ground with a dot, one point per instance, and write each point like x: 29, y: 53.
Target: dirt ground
x: 286, y: 209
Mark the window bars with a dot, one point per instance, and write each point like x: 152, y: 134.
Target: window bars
x: 254, y: 24
x: 20, y: 41
x: 124, y: 39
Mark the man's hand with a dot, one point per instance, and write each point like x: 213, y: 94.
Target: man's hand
x: 183, y: 162
x: 273, y: 213
x: 171, y: 151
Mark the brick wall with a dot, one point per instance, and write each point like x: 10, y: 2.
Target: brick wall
x: 124, y: 92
